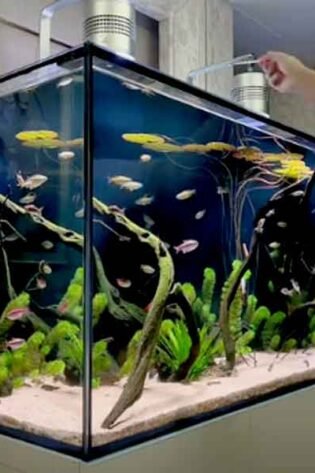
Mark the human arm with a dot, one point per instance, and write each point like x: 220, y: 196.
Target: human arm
x: 287, y: 74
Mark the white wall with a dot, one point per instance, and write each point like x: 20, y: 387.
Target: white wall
x: 18, y: 48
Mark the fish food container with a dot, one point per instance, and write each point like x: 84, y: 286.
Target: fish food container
x: 154, y: 238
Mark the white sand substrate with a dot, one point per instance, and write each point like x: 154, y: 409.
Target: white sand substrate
x: 57, y: 413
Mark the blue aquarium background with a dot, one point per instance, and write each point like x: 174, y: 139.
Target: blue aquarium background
x: 232, y: 209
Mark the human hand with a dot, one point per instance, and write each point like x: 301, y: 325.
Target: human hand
x: 284, y: 73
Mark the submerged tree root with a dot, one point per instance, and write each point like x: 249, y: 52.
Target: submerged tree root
x: 134, y: 386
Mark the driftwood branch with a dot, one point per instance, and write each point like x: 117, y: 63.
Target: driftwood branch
x: 116, y: 306
x: 134, y: 386
x: 224, y: 317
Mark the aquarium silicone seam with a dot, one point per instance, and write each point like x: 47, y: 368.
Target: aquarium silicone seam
x: 87, y: 252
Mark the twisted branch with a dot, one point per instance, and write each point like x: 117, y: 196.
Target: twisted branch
x: 134, y: 386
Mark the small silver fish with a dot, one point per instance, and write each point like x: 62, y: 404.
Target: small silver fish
x: 270, y: 213
x: 187, y: 246
x: 15, y: 343
x: 147, y: 269
x: 123, y: 283
x: 260, y: 225
x: 148, y: 221
x: 28, y: 198
x: 118, y: 180
x: 299, y: 193
x: 66, y: 155
x: 9, y: 238
x: 186, y: 194
x: 131, y: 186
x: 282, y: 224
x: 296, y: 286
x: 44, y: 268
x: 199, y: 215
x: 274, y: 245
x: 31, y: 182
x: 17, y: 314
x: 145, y: 158
x: 47, y: 245
x: 79, y: 213
x: 287, y: 292
x: 222, y: 190
x: 145, y: 200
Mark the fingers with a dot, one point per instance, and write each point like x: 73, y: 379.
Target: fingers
x: 270, y: 62
x: 276, y: 80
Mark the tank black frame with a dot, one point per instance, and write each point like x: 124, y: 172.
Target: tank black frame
x: 87, y: 53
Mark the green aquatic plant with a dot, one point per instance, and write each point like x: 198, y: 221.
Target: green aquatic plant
x: 275, y: 343
x: 99, y: 305
x: 102, y: 362
x: 22, y: 301
x: 66, y: 338
x: 74, y: 294
x: 208, y: 285
x: 271, y: 329
x: 206, y: 355
x: 260, y: 315
x: 289, y: 345
x: 189, y: 292
x: 173, y: 350
x: 243, y: 343
x: 28, y: 358
x: 173, y: 347
x: 202, y: 305
x: 54, y: 368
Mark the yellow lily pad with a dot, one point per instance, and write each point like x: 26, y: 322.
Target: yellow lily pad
x: 220, y: 146
x: 195, y: 148
x: 77, y: 142
x: 294, y: 169
x: 279, y: 157
x: 164, y: 147
x: 248, y: 154
x: 47, y: 143
x: 36, y: 135
x: 143, y: 138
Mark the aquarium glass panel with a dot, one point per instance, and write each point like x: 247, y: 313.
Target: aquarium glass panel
x: 154, y: 238
x: 204, y: 226
x: 41, y: 231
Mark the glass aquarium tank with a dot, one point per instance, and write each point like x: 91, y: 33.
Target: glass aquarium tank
x: 157, y: 255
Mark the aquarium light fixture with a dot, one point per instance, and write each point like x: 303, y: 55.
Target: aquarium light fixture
x: 109, y: 23
x: 250, y: 88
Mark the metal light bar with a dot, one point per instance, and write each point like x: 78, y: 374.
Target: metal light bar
x: 246, y: 59
x: 46, y: 17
